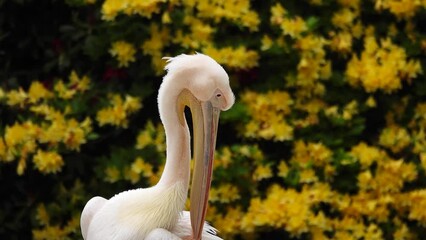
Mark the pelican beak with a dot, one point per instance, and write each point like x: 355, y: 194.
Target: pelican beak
x: 205, y: 123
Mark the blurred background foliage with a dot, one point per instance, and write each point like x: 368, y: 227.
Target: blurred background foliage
x: 326, y: 139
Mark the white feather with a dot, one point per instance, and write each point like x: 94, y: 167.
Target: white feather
x: 183, y: 228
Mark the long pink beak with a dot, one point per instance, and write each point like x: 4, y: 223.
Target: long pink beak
x: 205, y: 124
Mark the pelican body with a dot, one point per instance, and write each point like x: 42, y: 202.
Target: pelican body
x: 200, y: 83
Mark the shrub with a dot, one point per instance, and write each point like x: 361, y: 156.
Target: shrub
x: 326, y: 140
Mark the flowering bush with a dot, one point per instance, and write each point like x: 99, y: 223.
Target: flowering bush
x: 326, y: 140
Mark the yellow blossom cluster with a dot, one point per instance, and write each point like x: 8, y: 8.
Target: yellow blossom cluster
x: 295, y: 211
x: 312, y: 65
x: 404, y: 9
x: 311, y: 68
x: 111, y: 8
x: 268, y: 112
x: 234, y: 11
x: 139, y: 167
x: 292, y: 26
x: 153, y: 46
x: 381, y: 66
x: 346, y: 113
x: 48, y: 230
x: 348, y: 27
x: 306, y: 154
x: 124, y: 52
x: 330, y: 123
x: 117, y: 114
x: 224, y: 193
x: 289, y: 209
x: 199, y: 33
x: 239, y: 58
x: 395, y: 138
x: 150, y: 136
x: 133, y: 173
x: 48, y: 226
x: 50, y: 129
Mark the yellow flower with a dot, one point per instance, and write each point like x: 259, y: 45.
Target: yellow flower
x: 357, y: 30
x: 350, y: 110
x: 64, y: 91
x: 124, y: 52
x: 283, y: 131
x: 42, y: 215
x: 262, y: 172
x: 342, y: 42
x: 2, y: 93
x: 159, y: 39
x: 277, y: 14
x: 391, y: 175
x: 268, y: 112
x: 371, y: 102
x: 311, y: 153
x: 283, y: 169
x: 37, y: 91
x: 55, y: 132
x: 343, y: 18
x: 74, y: 135
x: 165, y: 18
x: 82, y: 84
x: 423, y: 160
x: 373, y: 232
x: 403, y: 232
x: 111, y: 8
x: 132, y: 104
x: 266, y: 43
x: 118, y: 113
x: 16, y: 97
x: 139, y: 166
x: 251, y: 20
x: 365, y: 181
x: 22, y: 165
x: 308, y: 176
x: 235, y: 11
x: 144, y: 8
x: 112, y: 115
x: 223, y: 158
x: 230, y: 223
x: 401, y: 9
x: 144, y: 139
x: 48, y: 162
x: 239, y: 58
x: 15, y: 135
x: 131, y: 175
x: 366, y: 155
x: 395, y: 138
x: 112, y: 174
x: 48, y: 111
x: 293, y: 27
x: 281, y: 208
x: 381, y: 66
x: 225, y: 193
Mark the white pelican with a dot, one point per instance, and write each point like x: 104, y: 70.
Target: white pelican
x: 199, y: 82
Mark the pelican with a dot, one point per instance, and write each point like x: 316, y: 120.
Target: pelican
x: 200, y: 83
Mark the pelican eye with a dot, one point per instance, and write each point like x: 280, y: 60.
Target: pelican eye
x: 218, y: 95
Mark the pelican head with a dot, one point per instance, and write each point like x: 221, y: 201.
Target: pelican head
x: 200, y: 83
